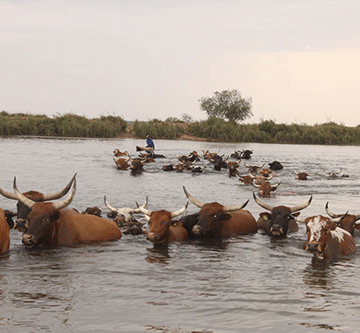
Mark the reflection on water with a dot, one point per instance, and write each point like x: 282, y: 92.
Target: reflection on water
x: 197, y: 286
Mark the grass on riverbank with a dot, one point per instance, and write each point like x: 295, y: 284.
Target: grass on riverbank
x: 213, y: 129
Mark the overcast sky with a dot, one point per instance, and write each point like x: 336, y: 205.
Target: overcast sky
x: 299, y: 60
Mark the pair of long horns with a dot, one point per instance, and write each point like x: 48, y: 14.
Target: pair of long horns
x: 173, y: 214
x: 58, y: 205
x: 130, y: 210
x: 292, y: 209
x: 200, y: 204
x: 336, y: 220
x: 46, y: 197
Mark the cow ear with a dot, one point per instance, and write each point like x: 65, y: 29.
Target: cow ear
x: 225, y: 217
x: 296, y: 214
x: 265, y: 216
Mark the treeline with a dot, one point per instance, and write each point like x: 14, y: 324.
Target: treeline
x: 212, y: 129
x: 68, y: 125
x: 267, y: 131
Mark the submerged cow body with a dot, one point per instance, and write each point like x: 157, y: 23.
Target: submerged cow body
x: 49, y: 224
x: 4, y: 233
x: 280, y: 220
x: 325, y: 240
x: 218, y: 221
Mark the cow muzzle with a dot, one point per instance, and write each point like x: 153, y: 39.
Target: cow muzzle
x: 312, y: 247
x: 152, y: 236
x: 196, y: 229
x: 28, y: 240
x: 276, y: 230
x: 21, y: 225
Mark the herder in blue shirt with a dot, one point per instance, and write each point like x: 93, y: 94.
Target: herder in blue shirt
x: 149, y: 142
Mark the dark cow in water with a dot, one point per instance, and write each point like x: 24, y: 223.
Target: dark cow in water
x: 49, y: 224
x: 4, y: 233
x: 233, y: 168
x: 348, y: 222
x: 162, y: 226
x: 280, y: 220
x: 325, y: 240
x: 275, y: 165
x: 23, y: 211
x: 218, y: 221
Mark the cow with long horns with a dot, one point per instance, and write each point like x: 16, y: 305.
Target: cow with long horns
x: 22, y: 210
x: 218, y: 221
x: 325, y: 239
x: 280, y: 220
x: 348, y: 222
x: 162, y: 226
x: 49, y: 224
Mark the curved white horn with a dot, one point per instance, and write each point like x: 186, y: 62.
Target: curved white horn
x: 196, y: 202
x: 68, y: 200
x: 22, y: 198
x: 180, y: 211
x: 59, y: 194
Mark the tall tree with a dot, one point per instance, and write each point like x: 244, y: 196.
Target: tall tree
x: 227, y: 104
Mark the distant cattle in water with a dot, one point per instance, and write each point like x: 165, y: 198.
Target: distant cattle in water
x: 276, y: 165
x: 219, y: 162
x: 137, y: 165
x: 333, y: 174
x: 49, y: 224
x: 233, y: 168
x: 93, y: 211
x: 207, y: 155
x: 122, y: 163
x: 265, y: 188
x: 246, y: 154
x: 193, y: 157
x: 325, y: 240
x: 162, y: 226
x: 4, y: 233
x: 168, y: 167
x: 254, y: 168
x: 265, y: 173
x: 118, y: 153
x: 134, y: 228
x: 259, y: 179
x: 348, y: 222
x: 303, y: 175
x: 218, y: 221
x: 247, y: 179
x: 280, y: 220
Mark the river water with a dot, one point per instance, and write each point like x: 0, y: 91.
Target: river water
x: 243, y: 284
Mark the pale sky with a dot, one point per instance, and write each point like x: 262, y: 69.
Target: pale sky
x: 299, y: 60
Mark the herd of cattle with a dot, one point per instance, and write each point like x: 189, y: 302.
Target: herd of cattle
x: 45, y: 223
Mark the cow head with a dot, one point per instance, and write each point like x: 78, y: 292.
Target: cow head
x: 348, y: 222
x: 23, y: 210
x: 276, y: 223
x: 125, y: 213
x: 319, y: 230
x: 211, y: 216
x: 42, y: 217
x: 159, y: 223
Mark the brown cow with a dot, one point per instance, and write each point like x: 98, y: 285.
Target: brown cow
x: 248, y: 179
x: 325, y: 240
x: 51, y: 225
x: 23, y: 211
x: 303, y: 175
x: 122, y: 163
x: 218, y: 221
x: 119, y: 153
x: 162, y: 228
x: 348, y: 222
x: 232, y: 167
x: 280, y: 220
x: 266, y: 188
x: 265, y: 172
x: 4, y: 233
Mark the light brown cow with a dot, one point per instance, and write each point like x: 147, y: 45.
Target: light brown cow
x: 122, y: 163
x: 266, y: 188
x: 348, y: 222
x: 119, y: 153
x: 303, y: 175
x: 51, y: 225
x: 4, y: 233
